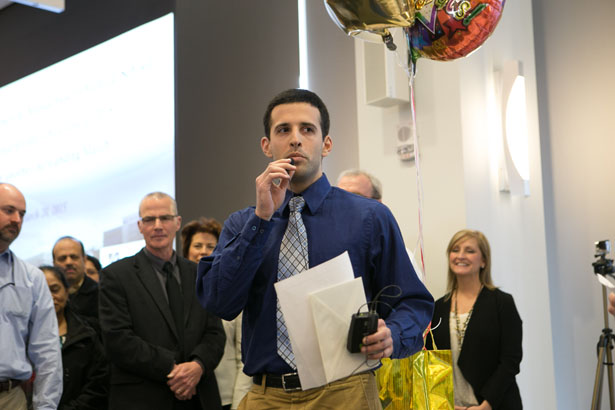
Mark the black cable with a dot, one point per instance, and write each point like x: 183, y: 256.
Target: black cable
x: 386, y: 296
x: 376, y: 301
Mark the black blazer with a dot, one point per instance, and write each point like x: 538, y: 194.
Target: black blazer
x: 491, y: 350
x: 140, y: 338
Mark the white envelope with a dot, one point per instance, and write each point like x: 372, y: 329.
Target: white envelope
x: 293, y: 294
x: 332, y: 309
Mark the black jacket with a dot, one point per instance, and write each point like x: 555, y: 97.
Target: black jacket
x: 84, y: 302
x: 141, y: 340
x: 491, y: 350
x: 86, y: 375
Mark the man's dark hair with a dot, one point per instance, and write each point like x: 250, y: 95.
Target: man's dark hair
x: 72, y: 239
x: 95, y: 262
x: 298, y: 95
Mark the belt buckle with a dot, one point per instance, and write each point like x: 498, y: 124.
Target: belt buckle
x: 284, y: 382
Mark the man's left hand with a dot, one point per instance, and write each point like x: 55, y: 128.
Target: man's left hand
x: 380, y: 344
x: 183, y: 379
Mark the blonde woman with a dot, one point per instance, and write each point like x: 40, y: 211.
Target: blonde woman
x: 482, y: 327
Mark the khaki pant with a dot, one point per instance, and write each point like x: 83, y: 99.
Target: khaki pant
x: 358, y: 392
x: 14, y: 399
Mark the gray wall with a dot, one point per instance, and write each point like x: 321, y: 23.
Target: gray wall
x: 231, y: 60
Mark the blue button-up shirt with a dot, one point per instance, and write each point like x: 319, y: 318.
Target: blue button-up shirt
x: 241, y: 273
x: 29, y: 331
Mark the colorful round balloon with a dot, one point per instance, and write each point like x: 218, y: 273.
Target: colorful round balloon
x: 450, y: 29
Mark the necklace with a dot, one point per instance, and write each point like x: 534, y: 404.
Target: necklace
x: 461, y: 331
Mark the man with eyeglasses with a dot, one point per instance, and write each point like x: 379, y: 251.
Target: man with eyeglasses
x: 163, y: 347
x: 29, y: 336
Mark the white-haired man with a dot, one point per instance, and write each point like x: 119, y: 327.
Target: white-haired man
x: 162, y: 345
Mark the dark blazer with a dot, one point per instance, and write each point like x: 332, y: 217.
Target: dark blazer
x: 86, y: 372
x: 140, y: 338
x: 491, y: 350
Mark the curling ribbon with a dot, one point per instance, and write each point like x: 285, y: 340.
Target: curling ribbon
x: 417, y: 164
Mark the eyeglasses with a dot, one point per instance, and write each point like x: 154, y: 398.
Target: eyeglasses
x: 150, y: 220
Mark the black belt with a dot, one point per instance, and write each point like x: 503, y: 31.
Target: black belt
x: 9, y: 384
x: 289, y: 381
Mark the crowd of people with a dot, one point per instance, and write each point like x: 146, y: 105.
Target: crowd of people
x: 202, y: 328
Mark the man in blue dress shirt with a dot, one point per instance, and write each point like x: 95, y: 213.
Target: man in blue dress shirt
x: 28, y: 325
x: 241, y: 273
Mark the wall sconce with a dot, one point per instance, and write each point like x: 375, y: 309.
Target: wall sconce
x: 515, y: 175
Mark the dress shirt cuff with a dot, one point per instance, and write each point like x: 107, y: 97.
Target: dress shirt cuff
x: 256, y: 230
x: 395, y: 335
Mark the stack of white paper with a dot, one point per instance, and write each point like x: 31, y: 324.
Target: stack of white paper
x: 317, y: 306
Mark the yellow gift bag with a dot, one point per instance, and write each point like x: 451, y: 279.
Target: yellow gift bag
x: 423, y: 381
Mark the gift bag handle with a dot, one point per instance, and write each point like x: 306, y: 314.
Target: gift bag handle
x: 429, y: 330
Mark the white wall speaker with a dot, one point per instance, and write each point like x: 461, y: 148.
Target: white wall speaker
x: 386, y: 82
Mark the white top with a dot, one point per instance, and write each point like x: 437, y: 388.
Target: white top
x: 464, y: 394
x: 233, y: 383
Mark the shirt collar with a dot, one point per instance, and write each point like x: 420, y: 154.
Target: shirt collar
x: 157, y: 262
x: 6, y: 267
x: 6, y: 256
x: 313, y: 195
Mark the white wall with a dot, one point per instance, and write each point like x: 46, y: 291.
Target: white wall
x: 543, y: 244
x: 576, y: 88
x: 460, y: 141
x: 441, y: 160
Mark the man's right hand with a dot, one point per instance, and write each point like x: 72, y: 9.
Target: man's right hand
x: 269, y: 195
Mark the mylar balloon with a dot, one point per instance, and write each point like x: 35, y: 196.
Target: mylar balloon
x: 450, y: 29
x: 373, y: 16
